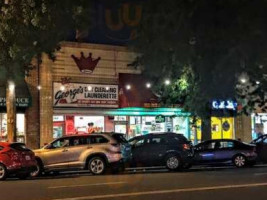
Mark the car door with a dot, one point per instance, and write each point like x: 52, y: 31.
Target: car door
x: 57, y: 154
x: 156, y: 148
x: 204, y: 152
x: 139, y: 155
x: 224, y: 151
x: 262, y: 149
x: 78, y: 145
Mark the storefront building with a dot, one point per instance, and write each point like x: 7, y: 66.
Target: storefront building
x: 22, y: 104
x: 90, y: 87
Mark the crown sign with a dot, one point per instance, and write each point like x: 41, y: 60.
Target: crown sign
x: 86, y: 65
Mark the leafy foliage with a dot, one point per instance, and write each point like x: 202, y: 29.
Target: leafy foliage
x: 31, y: 27
x: 215, y: 40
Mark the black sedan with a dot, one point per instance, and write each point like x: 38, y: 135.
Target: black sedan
x: 225, y: 151
x: 261, y: 146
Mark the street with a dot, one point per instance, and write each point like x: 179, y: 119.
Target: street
x: 197, y: 183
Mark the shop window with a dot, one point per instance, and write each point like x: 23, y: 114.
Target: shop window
x: 20, y: 127
x: 81, y: 123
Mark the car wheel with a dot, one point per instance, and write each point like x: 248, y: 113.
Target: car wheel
x: 240, y: 161
x: 3, y: 172
x: 97, y: 165
x: 38, y: 170
x: 23, y: 176
x: 173, y: 162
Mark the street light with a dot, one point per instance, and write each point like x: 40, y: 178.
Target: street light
x: 107, y: 88
x: 90, y: 88
x: 128, y: 87
x: 167, y: 82
x: 39, y: 87
x: 148, y: 85
x: 258, y: 82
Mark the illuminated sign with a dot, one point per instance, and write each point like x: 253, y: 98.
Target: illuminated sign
x: 85, y: 95
x: 221, y: 105
x: 20, y: 102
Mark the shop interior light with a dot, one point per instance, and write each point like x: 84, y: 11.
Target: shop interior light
x: 167, y: 82
x: 148, y: 85
x: 128, y: 87
x: 39, y: 87
x: 62, y: 87
x: 90, y: 88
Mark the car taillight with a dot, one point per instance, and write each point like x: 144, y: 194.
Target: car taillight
x: 13, y: 155
x: 186, y: 146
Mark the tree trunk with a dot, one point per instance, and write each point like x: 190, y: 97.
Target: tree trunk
x: 11, y: 111
x: 206, y: 129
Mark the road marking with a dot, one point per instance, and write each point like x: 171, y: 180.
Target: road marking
x: 85, y: 185
x: 164, y: 191
x: 259, y: 174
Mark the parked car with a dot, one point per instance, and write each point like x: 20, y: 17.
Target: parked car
x: 16, y: 159
x: 93, y: 152
x: 261, y: 146
x: 225, y: 151
x: 162, y: 149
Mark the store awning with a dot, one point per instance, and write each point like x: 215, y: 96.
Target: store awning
x: 147, y: 112
x: 23, y: 97
x: 138, y: 95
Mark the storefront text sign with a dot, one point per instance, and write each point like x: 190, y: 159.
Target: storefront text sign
x: 20, y: 102
x: 85, y: 95
x: 228, y: 105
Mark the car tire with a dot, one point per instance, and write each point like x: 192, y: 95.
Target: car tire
x: 240, y: 161
x: 173, y: 162
x: 23, y: 176
x: 39, y: 169
x: 3, y: 172
x: 97, y: 165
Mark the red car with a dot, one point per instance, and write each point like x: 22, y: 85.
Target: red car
x: 16, y: 159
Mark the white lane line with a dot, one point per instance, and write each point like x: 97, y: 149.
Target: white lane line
x: 164, y: 191
x: 85, y: 185
x: 260, y: 174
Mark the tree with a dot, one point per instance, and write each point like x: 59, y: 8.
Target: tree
x: 29, y: 28
x: 216, y: 40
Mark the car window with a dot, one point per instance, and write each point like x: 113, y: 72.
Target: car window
x: 137, y: 142
x: 62, y: 142
x: 265, y: 140
x: 156, y: 140
x: 98, y: 139
x: 119, y: 138
x: 80, y: 141
x: 1, y: 148
x: 178, y: 139
x: 207, y: 146
x: 224, y: 144
x: 19, y: 147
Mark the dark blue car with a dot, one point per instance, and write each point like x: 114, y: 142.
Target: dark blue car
x: 225, y: 151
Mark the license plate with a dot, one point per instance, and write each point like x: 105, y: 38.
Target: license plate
x: 27, y: 157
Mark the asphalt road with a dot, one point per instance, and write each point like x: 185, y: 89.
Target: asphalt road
x: 200, y: 184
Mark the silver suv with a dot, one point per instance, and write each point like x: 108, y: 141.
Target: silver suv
x: 93, y: 152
